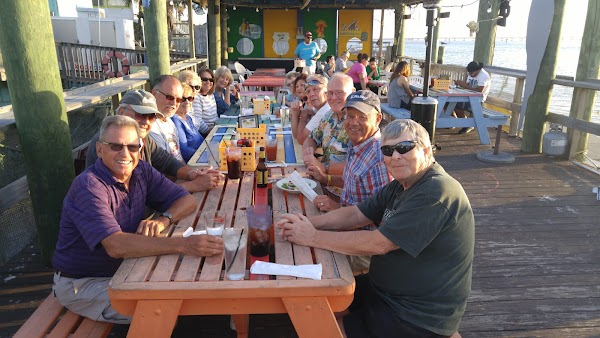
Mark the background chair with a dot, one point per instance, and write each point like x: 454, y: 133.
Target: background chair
x: 242, y: 71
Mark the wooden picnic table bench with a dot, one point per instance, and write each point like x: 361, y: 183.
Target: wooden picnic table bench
x: 394, y: 113
x: 51, y: 319
x: 156, y: 290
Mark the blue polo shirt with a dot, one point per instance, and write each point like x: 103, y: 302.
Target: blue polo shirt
x: 307, y: 52
x: 97, y: 206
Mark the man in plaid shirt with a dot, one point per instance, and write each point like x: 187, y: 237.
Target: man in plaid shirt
x: 365, y: 172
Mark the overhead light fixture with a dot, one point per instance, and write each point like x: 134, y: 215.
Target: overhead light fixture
x: 308, y: 9
x: 344, y: 7
x: 234, y: 7
x: 489, y: 10
x: 256, y: 9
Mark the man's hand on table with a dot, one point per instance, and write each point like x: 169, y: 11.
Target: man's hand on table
x: 151, y: 227
x: 203, y: 245
x: 297, y: 229
x: 317, y: 173
x: 204, y: 181
x: 325, y: 203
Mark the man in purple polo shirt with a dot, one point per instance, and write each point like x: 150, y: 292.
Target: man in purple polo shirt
x: 102, y: 221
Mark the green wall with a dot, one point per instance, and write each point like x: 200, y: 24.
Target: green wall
x: 323, y: 24
x: 245, y: 31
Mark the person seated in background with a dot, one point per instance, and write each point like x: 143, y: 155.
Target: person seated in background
x: 102, y: 221
x: 358, y: 72
x: 189, y: 137
x: 304, y: 120
x: 226, y: 93
x: 373, y: 73
x: 205, y: 106
x: 479, y: 80
x: 341, y: 62
x: 168, y: 93
x: 141, y: 106
x: 422, y: 264
x: 297, y: 89
x: 330, y: 136
x: 365, y: 172
x: 329, y: 67
x: 287, y: 89
x: 399, y: 93
x: 193, y: 80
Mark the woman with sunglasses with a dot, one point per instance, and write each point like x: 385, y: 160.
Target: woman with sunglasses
x: 205, y: 106
x: 193, y: 80
x: 226, y: 92
x: 420, y: 274
x: 189, y: 137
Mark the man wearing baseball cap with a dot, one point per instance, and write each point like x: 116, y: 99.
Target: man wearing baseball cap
x: 365, y: 172
x: 141, y: 106
x: 308, y: 51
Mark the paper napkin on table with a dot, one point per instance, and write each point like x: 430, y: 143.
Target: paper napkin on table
x: 190, y: 232
x: 301, y: 184
x: 312, y: 271
x: 285, y: 132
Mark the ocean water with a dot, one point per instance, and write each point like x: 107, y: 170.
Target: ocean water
x: 511, y: 53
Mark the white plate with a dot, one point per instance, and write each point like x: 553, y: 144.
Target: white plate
x: 312, y: 184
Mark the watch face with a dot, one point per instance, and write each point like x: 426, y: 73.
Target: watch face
x: 167, y: 215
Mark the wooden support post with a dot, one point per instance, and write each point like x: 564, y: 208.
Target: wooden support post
x: 224, y: 41
x: 31, y: 64
x: 214, y: 34
x: 191, y: 29
x: 582, y: 105
x: 486, y: 36
x: 440, y: 54
x: 537, y: 105
x: 157, y: 42
x: 380, y: 55
x: 399, y: 28
x: 435, y: 38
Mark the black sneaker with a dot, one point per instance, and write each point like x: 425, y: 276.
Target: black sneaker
x: 466, y: 130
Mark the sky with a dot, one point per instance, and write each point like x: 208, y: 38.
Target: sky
x: 455, y: 25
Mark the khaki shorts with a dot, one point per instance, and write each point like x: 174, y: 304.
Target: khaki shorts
x: 87, y: 297
x: 359, y: 264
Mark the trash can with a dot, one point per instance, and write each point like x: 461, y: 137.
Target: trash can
x: 423, y: 111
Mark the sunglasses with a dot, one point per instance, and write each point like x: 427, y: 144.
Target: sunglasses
x: 189, y: 99
x: 133, y: 148
x: 312, y: 83
x: 204, y: 79
x: 401, y: 147
x: 170, y: 97
x: 196, y: 87
x: 150, y: 117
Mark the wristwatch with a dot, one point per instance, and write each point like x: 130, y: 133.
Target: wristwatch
x: 168, y: 215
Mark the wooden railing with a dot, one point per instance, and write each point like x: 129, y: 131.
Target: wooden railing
x: 81, y: 65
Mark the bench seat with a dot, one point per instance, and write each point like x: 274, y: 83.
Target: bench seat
x: 494, y: 118
x: 51, y: 319
x: 395, y: 113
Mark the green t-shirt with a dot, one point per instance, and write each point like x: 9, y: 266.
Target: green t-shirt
x: 428, y: 280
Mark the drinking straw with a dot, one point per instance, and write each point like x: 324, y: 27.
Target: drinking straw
x: 236, y: 251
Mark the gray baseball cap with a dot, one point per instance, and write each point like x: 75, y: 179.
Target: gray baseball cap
x: 363, y: 100
x: 141, y: 101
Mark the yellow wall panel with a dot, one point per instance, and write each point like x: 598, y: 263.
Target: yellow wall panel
x: 355, y: 29
x: 280, y: 33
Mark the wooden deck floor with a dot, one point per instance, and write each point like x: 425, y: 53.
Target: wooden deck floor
x: 537, y: 253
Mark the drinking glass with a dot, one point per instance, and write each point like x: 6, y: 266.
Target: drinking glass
x: 214, y: 222
x: 271, y: 148
x: 234, y: 162
x: 235, y: 241
x: 259, y: 219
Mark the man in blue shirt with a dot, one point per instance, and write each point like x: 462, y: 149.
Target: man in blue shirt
x: 308, y: 51
x: 102, y: 221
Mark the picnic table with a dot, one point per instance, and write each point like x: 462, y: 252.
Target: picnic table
x: 451, y: 97
x: 288, y: 148
x: 264, y: 81
x: 156, y: 290
x: 270, y: 71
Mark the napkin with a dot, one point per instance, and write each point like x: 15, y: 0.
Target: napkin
x: 301, y: 184
x: 246, y: 111
x: 312, y: 271
x: 286, y: 132
x: 190, y: 232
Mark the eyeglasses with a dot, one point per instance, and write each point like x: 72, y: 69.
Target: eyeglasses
x: 170, y: 97
x: 132, y: 148
x: 196, y: 87
x: 189, y: 99
x: 139, y: 116
x: 204, y: 79
x: 312, y: 83
x: 401, y: 147
x: 339, y: 93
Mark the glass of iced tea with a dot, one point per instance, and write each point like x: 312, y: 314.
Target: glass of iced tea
x: 234, y: 162
x: 271, y: 148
